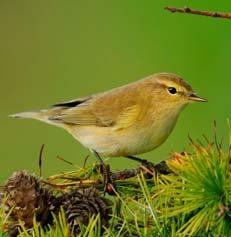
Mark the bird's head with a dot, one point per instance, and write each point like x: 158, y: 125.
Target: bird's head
x: 172, y: 89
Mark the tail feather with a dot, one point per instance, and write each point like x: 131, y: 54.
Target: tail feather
x: 42, y: 115
x: 32, y: 115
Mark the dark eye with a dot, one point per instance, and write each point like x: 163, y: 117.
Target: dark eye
x: 172, y: 90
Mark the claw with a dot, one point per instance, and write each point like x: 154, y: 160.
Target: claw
x: 108, y: 183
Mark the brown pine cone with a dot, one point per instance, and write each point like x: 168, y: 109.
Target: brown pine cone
x: 26, y: 198
x: 79, y: 205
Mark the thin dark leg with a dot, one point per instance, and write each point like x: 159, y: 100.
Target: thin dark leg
x: 105, y: 171
x: 137, y: 159
x: 161, y: 167
x: 149, y: 165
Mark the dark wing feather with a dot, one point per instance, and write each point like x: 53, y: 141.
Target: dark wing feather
x: 73, y: 103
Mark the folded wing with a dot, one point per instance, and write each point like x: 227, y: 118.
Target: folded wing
x: 116, y: 108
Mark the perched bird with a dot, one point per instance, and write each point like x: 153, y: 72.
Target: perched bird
x: 126, y: 121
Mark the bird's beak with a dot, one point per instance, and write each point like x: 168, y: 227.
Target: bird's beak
x: 194, y: 97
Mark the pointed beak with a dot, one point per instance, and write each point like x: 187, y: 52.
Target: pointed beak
x: 194, y: 97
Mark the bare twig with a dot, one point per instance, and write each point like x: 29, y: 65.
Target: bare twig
x: 206, y: 139
x: 194, y: 144
x: 198, y: 12
x: 85, y: 161
x: 80, y: 183
x: 215, y: 137
x: 66, y: 161
x: 40, y: 159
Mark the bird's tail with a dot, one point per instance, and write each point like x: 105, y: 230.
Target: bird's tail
x: 31, y: 115
x: 42, y: 115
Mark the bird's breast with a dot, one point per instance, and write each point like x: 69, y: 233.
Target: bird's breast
x: 140, y: 137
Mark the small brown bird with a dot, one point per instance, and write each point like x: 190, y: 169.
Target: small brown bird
x: 126, y: 121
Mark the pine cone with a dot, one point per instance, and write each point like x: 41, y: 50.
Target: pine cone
x: 27, y: 198
x: 79, y: 205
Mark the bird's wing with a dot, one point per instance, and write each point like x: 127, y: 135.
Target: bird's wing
x: 118, y: 108
x: 73, y: 103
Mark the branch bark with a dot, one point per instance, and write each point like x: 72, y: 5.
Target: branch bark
x: 198, y: 12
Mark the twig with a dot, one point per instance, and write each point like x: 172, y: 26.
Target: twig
x: 66, y: 161
x: 40, y: 159
x: 81, y: 183
x: 85, y: 161
x: 148, y: 169
x: 198, y: 12
x: 215, y: 137
x: 194, y: 145
x: 206, y: 139
x: 125, y: 174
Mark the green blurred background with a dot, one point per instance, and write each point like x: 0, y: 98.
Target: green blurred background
x: 53, y: 51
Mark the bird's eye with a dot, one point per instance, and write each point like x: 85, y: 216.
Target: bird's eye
x: 172, y: 90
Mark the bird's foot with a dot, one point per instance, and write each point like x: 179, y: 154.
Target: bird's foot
x: 162, y: 168
x: 150, y: 168
x: 108, y: 183
x: 143, y: 162
x: 109, y: 186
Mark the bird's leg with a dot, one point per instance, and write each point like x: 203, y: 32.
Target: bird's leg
x: 160, y: 167
x: 140, y: 160
x: 105, y: 171
x: 149, y: 165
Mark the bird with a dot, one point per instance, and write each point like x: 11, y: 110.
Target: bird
x: 126, y: 121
